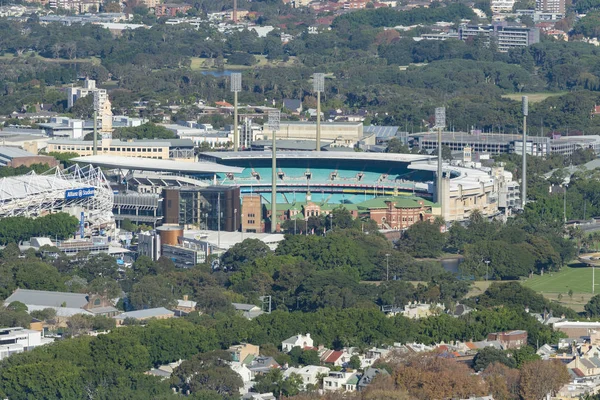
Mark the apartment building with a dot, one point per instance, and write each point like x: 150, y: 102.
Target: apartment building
x: 506, y: 35
x: 89, y: 87
x: 552, y: 6
x: 18, y: 340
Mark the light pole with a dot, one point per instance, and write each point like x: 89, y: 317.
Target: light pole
x: 295, y: 218
x: 524, y: 177
x: 565, y: 202
x: 318, y: 86
x: 274, y: 118
x: 236, y: 86
x: 96, y: 109
x: 487, y: 264
x: 331, y: 221
x: 387, y: 267
x: 440, y: 122
x: 219, y: 220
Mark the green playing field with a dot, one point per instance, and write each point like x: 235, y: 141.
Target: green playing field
x: 578, y: 279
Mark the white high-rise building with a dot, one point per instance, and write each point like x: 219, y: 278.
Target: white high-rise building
x: 89, y: 86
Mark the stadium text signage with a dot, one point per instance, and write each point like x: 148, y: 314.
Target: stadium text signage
x: 79, y: 193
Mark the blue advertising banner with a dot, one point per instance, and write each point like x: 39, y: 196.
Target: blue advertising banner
x: 79, y: 193
x: 82, y: 225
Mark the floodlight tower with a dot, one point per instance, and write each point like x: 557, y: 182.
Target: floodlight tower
x: 318, y: 86
x: 524, y: 178
x: 273, y: 124
x: 440, y: 123
x: 96, y: 109
x: 236, y: 86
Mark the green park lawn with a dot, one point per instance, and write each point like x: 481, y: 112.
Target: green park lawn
x: 532, y: 97
x: 574, y: 277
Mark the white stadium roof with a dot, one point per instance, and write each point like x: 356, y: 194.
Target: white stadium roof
x: 151, y: 164
x: 329, y: 155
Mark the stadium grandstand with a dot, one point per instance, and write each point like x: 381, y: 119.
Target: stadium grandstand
x: 74, y: 190
x: 333, y: 177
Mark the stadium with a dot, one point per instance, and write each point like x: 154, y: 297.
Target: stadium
x: 75, y: 190
x: 331, y: 177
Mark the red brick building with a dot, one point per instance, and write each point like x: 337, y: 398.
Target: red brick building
x: 170, y: 10
x: 510, y: 339
x: 397, y: 212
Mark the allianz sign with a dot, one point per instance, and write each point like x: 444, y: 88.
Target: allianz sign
x: 79, y: 193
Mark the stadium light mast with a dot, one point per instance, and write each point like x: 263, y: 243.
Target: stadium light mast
x: 236, y: 86
x: 96, y: 109
x: 273, y: 124
x: 525, y: 108
x: 318, y: 86
x: 440, y: 122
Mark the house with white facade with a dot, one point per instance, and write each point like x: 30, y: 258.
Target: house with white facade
x: 299, y: 340
x: 342, y: 381
x: 311, y: 374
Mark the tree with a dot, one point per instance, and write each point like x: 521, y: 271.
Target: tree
x: 106, y: 287
x: 79, y: 324
x: 422, y: 239
x: 396, y: 146
x: 244, y: 253
x: 490, y: 355
x: 208, y: 371
x: 152, y: 292
x: 540, y: 378
x: 592, y: 308
x: 354, y: 362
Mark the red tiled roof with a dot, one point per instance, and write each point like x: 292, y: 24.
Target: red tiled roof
x: 471, y: 346
x: 578, y: 372
x: 443, y: 347
x: 223, y: 104
x: 334, y: 356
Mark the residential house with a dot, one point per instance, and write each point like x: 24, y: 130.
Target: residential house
x: 510, y: 339
x: 299, y: 340
x: 259, y: 396
x: 342, y: 381
x: 311, y: 374
x: 368, y: 376
x: 65, y: 304
x: 164, y: 371
x: 144, y: 315
x: 546, y: 352
x: 185, y: 306
x: 587, y: 366
x: 248, y: 311
x: 294, y: 105
x: 337, y: 358
x: 262, y: 365
x: 422, y: 310
x: 372, y: 355
x: 244, y: 353
x: 246, y: 375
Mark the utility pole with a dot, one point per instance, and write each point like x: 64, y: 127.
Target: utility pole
x: 96, y: 109
x: 318, y: 86
x: 440, y: 122
x: 525, y: 108
x: 236, y: 86
x: 273, y: 124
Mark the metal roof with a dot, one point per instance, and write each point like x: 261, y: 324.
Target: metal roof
x: 47, y: 298
x: 380, y: 131
x: 13, y: 152
x: 148, y: 313
x: 343, y: 155
x: 150, y: 164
